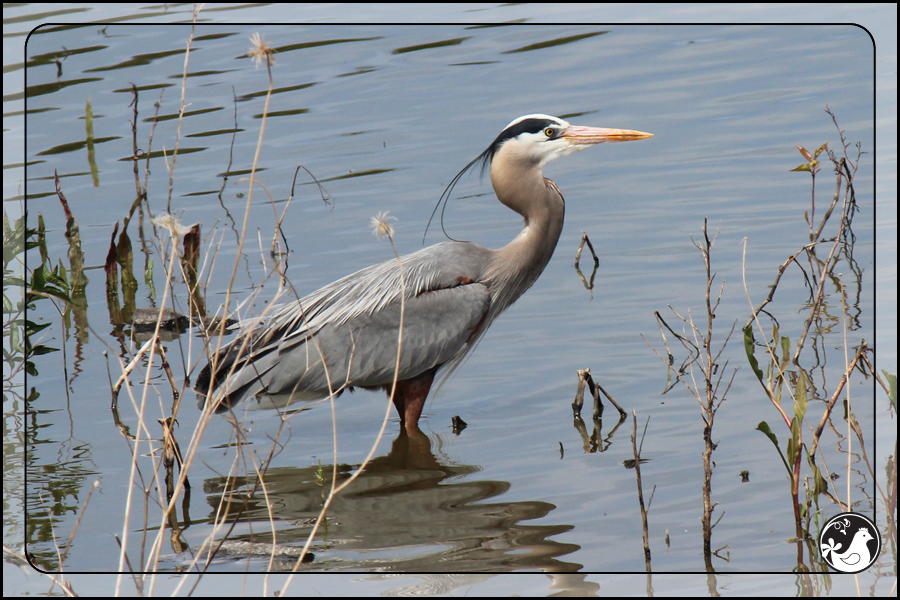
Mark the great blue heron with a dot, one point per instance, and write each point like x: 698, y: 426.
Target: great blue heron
x: 453, y: 292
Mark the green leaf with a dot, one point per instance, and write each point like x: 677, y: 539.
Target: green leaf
x: 37, y: 279
x: 794, y: 442
x: 764, y: 427
x: 750, y: 347
x: 785, y: 354
x: 57, y: 293
x: 819, y: 485
x: 31, y: 327
x: 38, y: 350
x: 892, y: 383
x: 803, y: 167
x: 800, y: 398
x: 13, y: 339
x: 41, y: 235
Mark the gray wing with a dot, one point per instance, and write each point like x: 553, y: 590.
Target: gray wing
x: 353, y: 323
x: 370, y: 290
x: 437, y: 325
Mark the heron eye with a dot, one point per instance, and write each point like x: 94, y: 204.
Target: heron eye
x: 549, y: 132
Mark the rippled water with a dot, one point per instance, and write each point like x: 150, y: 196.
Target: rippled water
x: 384, y: 116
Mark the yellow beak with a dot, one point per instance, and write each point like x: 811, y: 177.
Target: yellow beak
x: 598, y: 135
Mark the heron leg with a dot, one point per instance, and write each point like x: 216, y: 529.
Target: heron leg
x: 410, y: 396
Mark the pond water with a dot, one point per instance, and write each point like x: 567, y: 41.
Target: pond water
x: 384, y: 116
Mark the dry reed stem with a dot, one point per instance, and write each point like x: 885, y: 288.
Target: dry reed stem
x: 81, y: 512
x: 817, y: 300
x: 769, y: 349
x: 586, y: 240
x: 22, y: 561
x: 640, y: 489
x: 141, y: 421
x: 333, y: 392
x: 849, y: 405
x: 243, y: 236
x: 183, y: 472
x: 842, y: 170
x: 337, y: 489
x: 212, y: 402
x: 187, y: 55
x: 128, y: 368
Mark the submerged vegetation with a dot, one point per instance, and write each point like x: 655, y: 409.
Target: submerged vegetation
x: 795, y: 378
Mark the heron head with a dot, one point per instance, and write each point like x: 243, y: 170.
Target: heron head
x: 531, y: 141
x: 539, y: 139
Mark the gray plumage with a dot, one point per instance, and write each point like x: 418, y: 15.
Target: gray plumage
x: 454, y: 290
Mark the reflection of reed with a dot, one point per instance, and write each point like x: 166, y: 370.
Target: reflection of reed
x: 592, y: 443
x: 406, y: 511
x: 77, y: 281
x: 587, y: 285
x: 190, y: 259
x: 129, y: 284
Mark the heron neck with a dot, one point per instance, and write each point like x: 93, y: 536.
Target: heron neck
x: 517, y: 265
